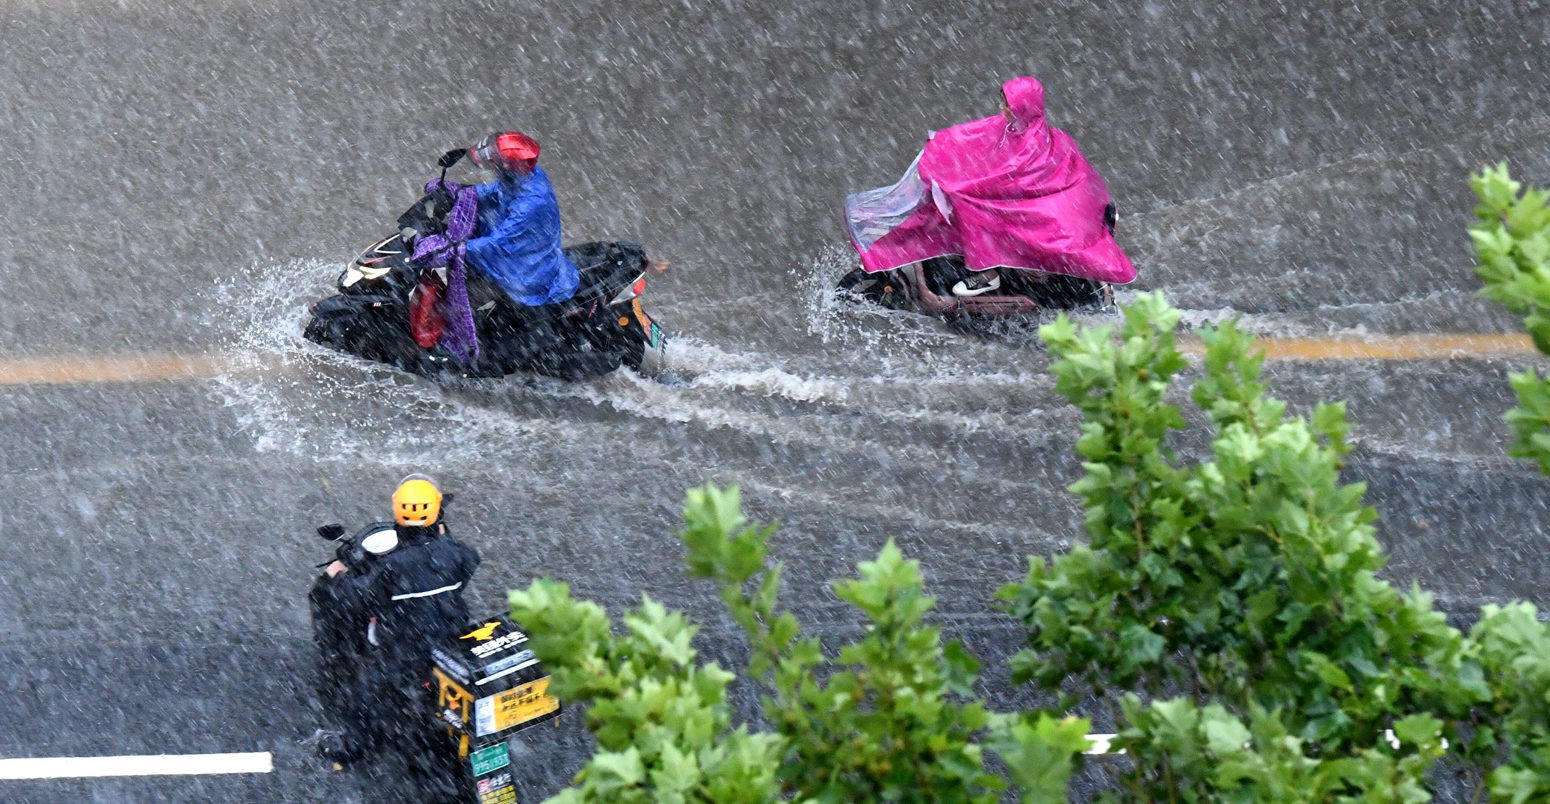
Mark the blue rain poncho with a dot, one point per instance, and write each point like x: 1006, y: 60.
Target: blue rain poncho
x: 516, y: 240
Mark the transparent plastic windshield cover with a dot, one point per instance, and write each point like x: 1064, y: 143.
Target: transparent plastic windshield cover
x: 874, y: 213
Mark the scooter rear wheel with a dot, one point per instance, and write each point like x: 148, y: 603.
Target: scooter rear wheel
x: 633, y: 351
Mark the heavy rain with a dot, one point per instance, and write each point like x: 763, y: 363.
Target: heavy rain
x: 181, y: 181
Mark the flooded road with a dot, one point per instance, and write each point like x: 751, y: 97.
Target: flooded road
x: 183, y: 181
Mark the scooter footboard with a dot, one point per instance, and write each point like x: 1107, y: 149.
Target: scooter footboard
x: 977, y: 305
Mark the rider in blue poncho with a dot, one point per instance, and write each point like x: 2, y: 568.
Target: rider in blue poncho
x: 516, y: 240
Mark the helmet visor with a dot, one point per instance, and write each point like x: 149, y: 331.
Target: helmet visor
x: 509, y: 151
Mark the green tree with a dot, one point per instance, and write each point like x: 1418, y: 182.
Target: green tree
x: 1245, y: 579
x: 1512, y: 240
x: 662, y: 722
x: 1511, y: 235
x: 890, y: 717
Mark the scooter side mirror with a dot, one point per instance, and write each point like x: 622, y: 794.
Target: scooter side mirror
x: 451, y: 158
x: 446, y: 499
x: 332, y: 533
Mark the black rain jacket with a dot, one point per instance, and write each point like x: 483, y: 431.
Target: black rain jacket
x: 415, y: 593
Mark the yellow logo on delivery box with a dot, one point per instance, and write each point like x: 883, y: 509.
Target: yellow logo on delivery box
x: 482, y: 633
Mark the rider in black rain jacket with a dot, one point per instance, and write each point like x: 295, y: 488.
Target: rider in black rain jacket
x: 408, y: 599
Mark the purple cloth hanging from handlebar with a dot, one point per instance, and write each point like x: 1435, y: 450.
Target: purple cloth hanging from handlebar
x: 448, y: 249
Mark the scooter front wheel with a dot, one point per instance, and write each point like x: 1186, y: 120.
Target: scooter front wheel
x: 882, y: 287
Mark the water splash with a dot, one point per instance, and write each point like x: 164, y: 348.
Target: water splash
x: 837, y: 317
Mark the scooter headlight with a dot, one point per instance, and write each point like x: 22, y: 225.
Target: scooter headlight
x: 355, y: 272
x: 380, y: 542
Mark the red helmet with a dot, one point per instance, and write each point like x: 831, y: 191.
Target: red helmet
x: 509, y: 151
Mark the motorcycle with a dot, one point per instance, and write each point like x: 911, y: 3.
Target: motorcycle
x: 463, y: 729
x: 602, y: 327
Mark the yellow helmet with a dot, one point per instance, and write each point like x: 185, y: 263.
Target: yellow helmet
x: 416, y: 502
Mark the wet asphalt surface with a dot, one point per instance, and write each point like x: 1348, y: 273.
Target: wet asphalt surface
x: 185, y: 180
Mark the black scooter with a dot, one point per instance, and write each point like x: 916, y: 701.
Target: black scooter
x: 591, y: 334
x: 464, y: 730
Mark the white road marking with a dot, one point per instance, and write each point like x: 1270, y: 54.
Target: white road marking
x: 1100, y: 744
x: 151, y: 765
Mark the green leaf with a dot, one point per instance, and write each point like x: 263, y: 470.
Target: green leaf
x: 1517, y: 785
x: 677, y: 773
x: 1225, y: 736
x: 1420, y: 730
x: 962, y: 668
x: 1326, y: 670
x: 1140, y: 645
x: 1039, y: 752
x: 612, y: 770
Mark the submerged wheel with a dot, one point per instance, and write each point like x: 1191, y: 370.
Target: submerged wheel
x: 1060, y: 292
x: 882, y: 287
x: 647, y: 360
x: 314, y: 331
x: 633, y: 352
x: 860, y: 283
x: 580, y: 355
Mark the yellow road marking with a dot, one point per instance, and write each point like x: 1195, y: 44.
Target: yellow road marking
x: 70, y: 370
x: 73, y: 370
x: 1390, y: 347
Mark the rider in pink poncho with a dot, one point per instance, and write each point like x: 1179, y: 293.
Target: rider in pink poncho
x: 1005, y: 192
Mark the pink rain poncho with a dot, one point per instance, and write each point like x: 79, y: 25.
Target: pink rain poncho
x: 1014, y: 195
